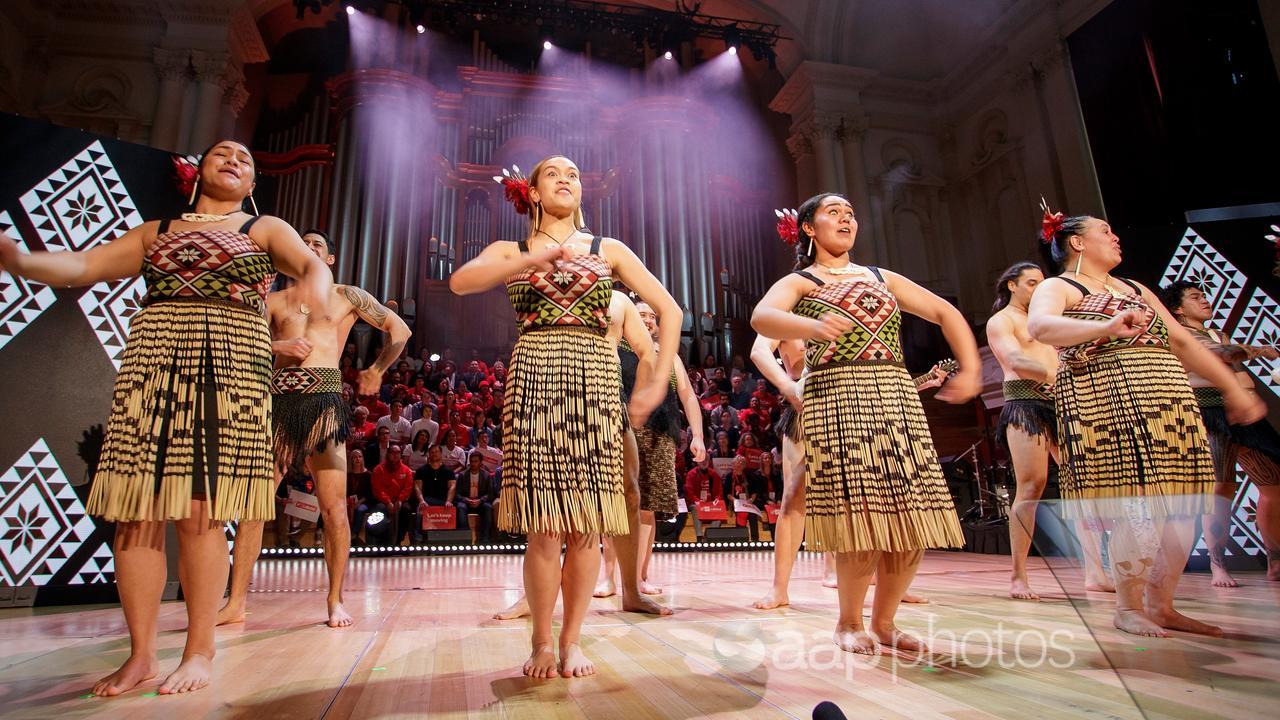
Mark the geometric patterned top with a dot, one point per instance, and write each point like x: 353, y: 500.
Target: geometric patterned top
x: 876, y: 318
x: 215, y: 264
x: 575, y: 293
x: 1102, y: 307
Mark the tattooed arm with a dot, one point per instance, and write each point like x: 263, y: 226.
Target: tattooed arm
x: 379, y: 316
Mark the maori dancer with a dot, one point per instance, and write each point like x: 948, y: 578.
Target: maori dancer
x: 310, y: 418
x: 656, y: 443
x: 1256, y: 446
x: 876, y: 496
x: 189, y: 436
x: 562, y: 480
x: 1134, y: 450
x: 626, y: 326
x: 1028, y: 426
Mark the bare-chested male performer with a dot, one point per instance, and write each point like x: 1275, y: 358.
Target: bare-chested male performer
x: 309, y: 416
x: 1028, y: 423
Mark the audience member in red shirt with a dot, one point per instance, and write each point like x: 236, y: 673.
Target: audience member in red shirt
x: 702, y: 483
x: 768, y: 401
x: 392, y: 487
x: 750, y: 449
x: 755, y: 419
x: 362, y: 429
x: 377, y: 408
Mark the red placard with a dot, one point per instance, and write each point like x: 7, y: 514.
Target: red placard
x: 713, y: 510
x: 771, y: 511
x: 439, y: 517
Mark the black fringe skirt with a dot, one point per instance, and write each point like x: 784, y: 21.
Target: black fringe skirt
x: 308, y: 414
x: 190, y: 417
x: 874, y: 482
x: 562, y: 436
x: 1255, y: 446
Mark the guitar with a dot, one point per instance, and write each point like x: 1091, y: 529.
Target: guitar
x: 936, y: 376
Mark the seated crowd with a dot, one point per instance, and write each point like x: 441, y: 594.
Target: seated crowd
x: 431, y: 441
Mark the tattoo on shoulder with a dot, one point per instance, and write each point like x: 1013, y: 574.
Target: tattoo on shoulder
x: 371, y: 310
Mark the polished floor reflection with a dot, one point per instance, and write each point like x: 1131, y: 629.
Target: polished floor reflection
x: 424, y: 642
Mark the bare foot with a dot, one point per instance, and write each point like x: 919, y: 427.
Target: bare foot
x: 541, y: 662
x: 192, y: 674
x: 642, y: 604
x: 518, y: 609
x: 338, y: 615
x: 573, y: 663
x: 829, y: 581
x: 773, y: 599
x: 1273, y: 567
x: 895, y: 638
x: 850, y: 638
x: 915, y: 599
x: 232, y: 612
x: 1099, y: 584
x: 649, y: 588
x: 1020, y: 589
x: 605, y: 588
x: 134, y: 670
x: 1135, y: 622
x: 1171, y: 619
x: 1222, y: 578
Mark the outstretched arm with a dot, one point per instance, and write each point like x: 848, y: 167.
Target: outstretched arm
x: 380, y: 316
x: 120, y: 258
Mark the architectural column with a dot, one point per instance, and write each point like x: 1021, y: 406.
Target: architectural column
x: 800, y: 146
x: 852, y: 132
x: 173, y: 69
x: 210, y: 70
x: 825, y: 126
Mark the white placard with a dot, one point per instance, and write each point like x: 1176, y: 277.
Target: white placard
x: 742, y: 506
x: 302, y: 505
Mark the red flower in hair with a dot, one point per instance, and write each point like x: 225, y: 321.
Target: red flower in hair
x: 788, y: 226
x: 516, y: 189
x: 1050, y: 223
x: 186, y: 170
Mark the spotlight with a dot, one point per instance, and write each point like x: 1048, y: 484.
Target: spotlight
x: 421, y: 29
x: 546, y: 44
x: 733, y: 49
x: 667, y: 55
x: 435, y: 357
x: 351, y: 10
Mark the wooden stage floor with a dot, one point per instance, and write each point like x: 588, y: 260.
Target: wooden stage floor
x: 424, y: 644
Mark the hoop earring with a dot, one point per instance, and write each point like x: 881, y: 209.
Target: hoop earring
x: 195, y: 192
x: 253, y: 204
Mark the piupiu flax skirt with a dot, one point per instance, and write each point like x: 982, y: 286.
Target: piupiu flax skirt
x: 874, y: 482
x: 1129, y: 427
x: 308, y: 413
x: 190, y: 417
x: 657, y: 471
x: 562, y: 436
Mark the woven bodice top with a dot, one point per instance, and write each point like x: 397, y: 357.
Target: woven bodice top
x: 1102, y: 307
x: 208, y: 264
x: 875, y: 314
x: 575, y: 293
